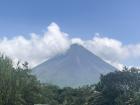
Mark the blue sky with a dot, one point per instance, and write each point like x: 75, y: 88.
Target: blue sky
x: 119, y: 19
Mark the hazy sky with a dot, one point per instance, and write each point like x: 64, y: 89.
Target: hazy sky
x: 117, y: 21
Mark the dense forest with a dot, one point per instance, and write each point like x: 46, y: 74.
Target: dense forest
x: 19, y: 87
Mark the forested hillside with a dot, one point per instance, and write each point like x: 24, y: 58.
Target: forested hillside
x: 19, y: 87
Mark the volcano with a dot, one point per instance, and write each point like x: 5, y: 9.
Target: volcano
x: 74, y: 68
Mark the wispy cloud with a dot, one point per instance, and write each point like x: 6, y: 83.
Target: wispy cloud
x: 41, y: 47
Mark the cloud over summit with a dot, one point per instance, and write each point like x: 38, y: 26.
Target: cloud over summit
x: 38, y: 48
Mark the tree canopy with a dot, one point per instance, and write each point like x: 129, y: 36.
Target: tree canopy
x: 19, y: 87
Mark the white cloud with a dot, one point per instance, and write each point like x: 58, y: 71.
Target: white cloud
x: 77, y: 41
x: 111, y: 50
x: 37, y: 48
x: 41, y: 47
x: 134, y: 50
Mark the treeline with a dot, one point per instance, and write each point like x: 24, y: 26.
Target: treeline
x: 19, y: 87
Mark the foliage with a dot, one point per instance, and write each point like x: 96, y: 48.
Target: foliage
x: 19, y: 87
x: 120, y: 87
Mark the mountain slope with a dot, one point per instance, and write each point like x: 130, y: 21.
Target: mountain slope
x: 76, y: 67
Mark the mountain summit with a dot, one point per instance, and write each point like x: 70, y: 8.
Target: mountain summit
x: 76, y: 67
